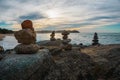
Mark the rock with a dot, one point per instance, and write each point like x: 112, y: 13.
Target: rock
x: 25, y: 36
x: 95, y: 39
x: 66, y: 41
x: 1, y: 49
x: 106, y: 61
x: 27, y: 24
x: 55, y: 51
x: 1, y: 57
x: 26, y: 49
x: 52, y: 36
x: 50, y: 43
x: 71, y: 65
x: 26, y: 66
x: 65, y: 32
x: 66, y: 47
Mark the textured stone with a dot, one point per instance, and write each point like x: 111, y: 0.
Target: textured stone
x: 26, y: 49
x: 1, y: 57
x: 27, y: 24
x: 1, y: 49
x: 26, y: 66
x: 25, y: 36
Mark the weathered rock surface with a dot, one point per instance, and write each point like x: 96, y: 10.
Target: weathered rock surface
x: 50, y: 43
x: 25, y: 36
x: 25, y: 67
x: 107, y: 61
x: 1, y: 57
x: 26, y: 49
x: 1, y: 49
x: 92, y: 63
x: 71, y: 65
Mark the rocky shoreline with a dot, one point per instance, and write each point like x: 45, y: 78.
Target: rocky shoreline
x: 57, y: 59
x: 80, y: 63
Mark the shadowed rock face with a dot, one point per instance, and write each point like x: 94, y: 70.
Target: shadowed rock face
x: 1, y: 49
x: 26, y: 67
x: 93, y: 63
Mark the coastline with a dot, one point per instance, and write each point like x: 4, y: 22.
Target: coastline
x: 3, y: 35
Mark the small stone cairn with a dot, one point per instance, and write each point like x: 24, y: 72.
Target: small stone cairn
x: 65, y: 41
x: 95, y: 39
x: 27, y: 38
x: 52, y: 36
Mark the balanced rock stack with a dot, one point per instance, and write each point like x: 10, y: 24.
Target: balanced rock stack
x: 65, y: 41
x: 95, y: 39
x: 52, y: 36
x: 27, y: 38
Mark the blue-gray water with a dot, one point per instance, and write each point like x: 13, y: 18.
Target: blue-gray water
x: 9, y: 42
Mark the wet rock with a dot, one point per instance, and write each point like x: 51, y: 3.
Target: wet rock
x: 26, y: 49
x: 26, y: 66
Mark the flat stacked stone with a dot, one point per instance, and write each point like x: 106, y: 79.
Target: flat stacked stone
x: 52, y: 36
x: 65, y: 41
x: 27, y: 38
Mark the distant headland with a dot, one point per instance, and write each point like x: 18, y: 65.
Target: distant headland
x: 58, y: 31
x: 6, y: 31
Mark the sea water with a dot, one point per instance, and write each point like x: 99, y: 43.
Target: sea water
x: 9, y: 42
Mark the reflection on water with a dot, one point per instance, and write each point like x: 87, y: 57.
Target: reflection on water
x: 10, y: 42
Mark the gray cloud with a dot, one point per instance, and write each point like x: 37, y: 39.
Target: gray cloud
x: 31, y: 16
x: 79, y: 12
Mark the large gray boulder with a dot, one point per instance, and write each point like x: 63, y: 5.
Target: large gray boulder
x: 26, y: 49
x: 25, y: 66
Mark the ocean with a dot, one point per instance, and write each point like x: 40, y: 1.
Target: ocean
x: 9, y: 42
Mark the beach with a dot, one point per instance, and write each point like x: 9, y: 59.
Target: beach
x: 2, y: 36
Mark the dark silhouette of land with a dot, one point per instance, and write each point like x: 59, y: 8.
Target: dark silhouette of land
x: 5, y: 31
x: 58, y: 31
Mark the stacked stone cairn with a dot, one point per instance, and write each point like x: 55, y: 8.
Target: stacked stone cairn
x: 95, y: 39
x: 65, y: 41
x: 27, y: 38
x: 52, y: 36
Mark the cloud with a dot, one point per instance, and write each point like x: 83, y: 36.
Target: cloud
x: 73, y: 14
x: 31, y: 16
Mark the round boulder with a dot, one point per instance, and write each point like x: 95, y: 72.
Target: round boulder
x: 26, y: 49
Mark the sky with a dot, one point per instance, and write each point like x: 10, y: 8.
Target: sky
x: 82, y: 15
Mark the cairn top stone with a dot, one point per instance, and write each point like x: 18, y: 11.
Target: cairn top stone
x: 27, y: 24
x: 65, y: 32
